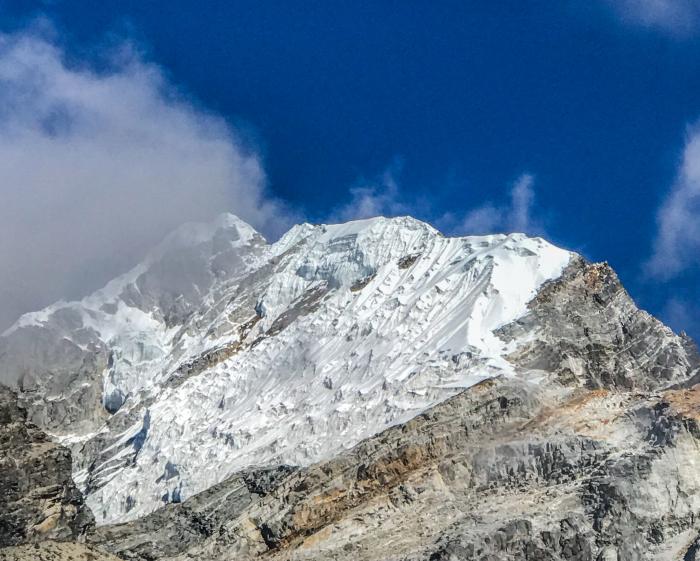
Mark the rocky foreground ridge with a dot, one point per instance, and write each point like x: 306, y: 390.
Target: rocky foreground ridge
x: 585, y: 448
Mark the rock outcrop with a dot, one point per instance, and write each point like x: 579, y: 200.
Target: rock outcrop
x: 55, y: 551
x: 179, y: 527
x: 38, y: 499
x: 498, y: 472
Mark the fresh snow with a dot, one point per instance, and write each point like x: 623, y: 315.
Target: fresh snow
x: 333, y: 333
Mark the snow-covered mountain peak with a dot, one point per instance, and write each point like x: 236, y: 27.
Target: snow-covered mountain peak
x: 342, y: 254
x: 367, y: 231
x: 222, y: 352
x: 225, y: 229
x: 192, y: 250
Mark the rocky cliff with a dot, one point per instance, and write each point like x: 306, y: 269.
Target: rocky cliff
x: 39, y: 499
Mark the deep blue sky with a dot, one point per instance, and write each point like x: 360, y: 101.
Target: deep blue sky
x: 467, y: 95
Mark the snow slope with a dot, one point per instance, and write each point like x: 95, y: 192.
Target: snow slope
x: 299, y: 349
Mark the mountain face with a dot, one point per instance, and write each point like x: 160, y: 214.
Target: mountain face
x: 221, y: 352
x: 370, y: 390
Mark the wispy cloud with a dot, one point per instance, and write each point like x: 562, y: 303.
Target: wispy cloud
x: 676, y: 246
x: 98, y: 164
x: 679, y: 17
x: 379, y: 196
x: 382, y: 196
x: 516, y: 216
x: 681, y: 315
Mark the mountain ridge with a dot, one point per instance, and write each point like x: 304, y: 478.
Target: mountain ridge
x: 377, y: 391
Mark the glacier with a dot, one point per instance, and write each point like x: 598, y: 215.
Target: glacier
x: 222, y: 352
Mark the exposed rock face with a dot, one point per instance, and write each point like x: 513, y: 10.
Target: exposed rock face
x: 179, y: 527
x: 587, y: 331
x: 494, y: 473
x: 55, y: 551
x: 38, y: 499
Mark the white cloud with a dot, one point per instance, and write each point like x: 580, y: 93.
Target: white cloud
x: 681, y: 315
x: 378, y: 197
x: 680, y: 17
x: 522, y: 197
x: 97, y: 165
x: 676, y: 246
x: 516, y: 216
x: 382, y: 197
x: 484, y: 219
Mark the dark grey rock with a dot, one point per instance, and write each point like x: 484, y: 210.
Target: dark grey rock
x: 38, y: 499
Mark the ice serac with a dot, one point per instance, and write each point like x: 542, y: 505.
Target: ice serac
x: 222, y: 353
